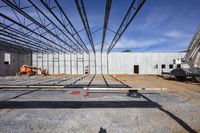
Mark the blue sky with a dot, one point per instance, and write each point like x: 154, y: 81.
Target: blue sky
x: 160, y: 26
x: 164, y: 25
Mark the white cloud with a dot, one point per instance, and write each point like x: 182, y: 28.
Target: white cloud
x: 131, y: 43
x: 177, y: 34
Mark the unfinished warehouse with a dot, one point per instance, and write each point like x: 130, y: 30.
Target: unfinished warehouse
x: 99, y: 66
x: 114, y: 63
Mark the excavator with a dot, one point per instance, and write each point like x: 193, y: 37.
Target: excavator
x: 31, y: 70
x: 189, y: 66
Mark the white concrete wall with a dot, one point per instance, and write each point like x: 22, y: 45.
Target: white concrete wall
x: 118, y: 63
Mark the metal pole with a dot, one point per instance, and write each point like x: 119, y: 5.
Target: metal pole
x: 47, y: 61
x: 95, y: 65
x: 77, y: 63
x: 70, y: 63
x: 101, y: 64
x: 42, y: 60
x: 107, y: 64
x: 65, y: 64
x: 83, y: 62
x: 31, y: 56
x: 53, y: 63
x: 58, y: 63
x: 89, y: 62
x: 36, y: 60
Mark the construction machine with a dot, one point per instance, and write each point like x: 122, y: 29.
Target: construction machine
x: 189, y: 66
x: 31, y: 70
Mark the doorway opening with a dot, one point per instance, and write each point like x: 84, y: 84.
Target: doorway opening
x: 136, y: 69
x: 178, y: 65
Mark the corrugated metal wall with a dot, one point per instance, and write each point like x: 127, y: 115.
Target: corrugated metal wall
x: 114, y: 63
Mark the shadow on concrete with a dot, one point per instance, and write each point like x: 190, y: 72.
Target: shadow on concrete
x: 187, y: 81
x: 22, y: 94
x: 90, y: 104
x: 76, y: 104
x: 178, y: 120
x: 76, y: 83
x: 122, y: 83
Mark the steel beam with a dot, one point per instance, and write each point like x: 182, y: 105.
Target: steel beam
x: 19, y: 10
x: 83, y: 15
x: 12, y: 42
x: 130, y: 15
x: 15, y: 31
x: 20, y: 39
x: 12, y: 46
x: 37, y: 34
x: 69, y: 27
x: 46, y: 17
x: 106, y: 17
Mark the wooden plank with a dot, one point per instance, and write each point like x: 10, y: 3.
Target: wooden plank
x: 122, y: 89
x: 31, y: 86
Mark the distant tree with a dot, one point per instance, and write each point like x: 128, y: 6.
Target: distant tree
x: 183, y: 51
x: 128, y: 50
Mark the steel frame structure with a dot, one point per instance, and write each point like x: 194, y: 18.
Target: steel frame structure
x: 13, y: 22
x: 130, y: 14
x: 106, y: 17
x: 17, y: 8
x: 66, y: 23
x: 41, y: 33
x: 81, y: 9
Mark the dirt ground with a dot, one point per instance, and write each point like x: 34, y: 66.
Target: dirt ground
x: 186, y: 89
x: 38, y: 110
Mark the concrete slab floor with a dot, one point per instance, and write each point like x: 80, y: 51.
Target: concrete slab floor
x: 177, y: 110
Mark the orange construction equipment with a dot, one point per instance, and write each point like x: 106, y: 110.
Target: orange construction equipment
x: 31, y: 70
